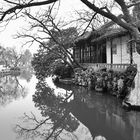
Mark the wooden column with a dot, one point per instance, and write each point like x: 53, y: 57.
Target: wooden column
x: 90, y: 52
x: 131, y: 51
x: 111, y: 52
x: 83, y: 52
x: 80, y: 53
x: 97, y: 53
x: 121, y: 48
x: 101, y: 53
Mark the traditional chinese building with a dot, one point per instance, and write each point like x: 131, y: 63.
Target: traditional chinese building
x: 110, y: 44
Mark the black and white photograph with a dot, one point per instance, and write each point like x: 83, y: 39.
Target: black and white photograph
x: 69, y: 69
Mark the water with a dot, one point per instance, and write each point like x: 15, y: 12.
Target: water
x: 39, y: 110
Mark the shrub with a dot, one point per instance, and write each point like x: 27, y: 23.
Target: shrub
x: 64, y: 71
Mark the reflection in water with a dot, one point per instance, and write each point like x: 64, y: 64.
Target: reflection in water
x: 26, y: 74
x: 58, y: 118
x: 103, y: 115
x: 11, y: 89
x: 76, y: 113
x: 14, y: 101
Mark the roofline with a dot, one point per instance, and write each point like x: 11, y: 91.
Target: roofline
x: 110, y: 36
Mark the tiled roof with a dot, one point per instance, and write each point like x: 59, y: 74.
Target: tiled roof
x: 83, y: 37
x: 104, y: 32
x: 110, y: 33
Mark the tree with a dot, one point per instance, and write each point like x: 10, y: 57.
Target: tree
x: 54, y: 44
x: 26, y: 58
x: 54, y: 39
x: 52, y: 35
x: 89, y: 20
x: 44, y: 62
x: 136, y: 12
x: 10, y: 58
x: 126, y: 20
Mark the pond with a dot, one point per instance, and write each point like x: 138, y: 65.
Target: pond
x: 39, y: 110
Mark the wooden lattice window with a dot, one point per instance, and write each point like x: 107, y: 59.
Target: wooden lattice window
x: 133, y: 47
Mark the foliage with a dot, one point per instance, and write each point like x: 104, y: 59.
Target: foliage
x: 11, y: 58
x: 43, y: 63
x: 48, y: 64
x: 136, y: 11
x: 63, y: 36
x: 46, y: 60
x: 64, y: 71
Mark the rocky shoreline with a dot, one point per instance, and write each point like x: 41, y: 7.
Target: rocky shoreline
x: 116, y: 83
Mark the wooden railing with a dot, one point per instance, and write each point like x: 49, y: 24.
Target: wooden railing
x: 115, y: 67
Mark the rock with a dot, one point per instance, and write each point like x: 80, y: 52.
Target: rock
x: 100, y: 138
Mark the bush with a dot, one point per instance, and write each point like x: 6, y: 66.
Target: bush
x: 64, y: 71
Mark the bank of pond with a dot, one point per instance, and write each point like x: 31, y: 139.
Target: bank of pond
x: 116, y: 83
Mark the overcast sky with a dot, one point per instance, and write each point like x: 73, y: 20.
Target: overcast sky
x: 66, y: 11
x: 6, y: 37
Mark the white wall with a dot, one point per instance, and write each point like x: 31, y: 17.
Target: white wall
x: 122, y: 57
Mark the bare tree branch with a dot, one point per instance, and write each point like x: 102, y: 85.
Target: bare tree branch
x: 125, y: 10
x: 11, y: 2
x: 22, y: 6
x: 108, y: 15
x: 133, y: 3
x: 33, y: 118
x: 89, y: 23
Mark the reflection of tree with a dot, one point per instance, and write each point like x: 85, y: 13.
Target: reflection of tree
x: 25, y: 66
x: 26, y: 74
x: 10, y: 89
x: 55, y: 108
x: 102, y: 114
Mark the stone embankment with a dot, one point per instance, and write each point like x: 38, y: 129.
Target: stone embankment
x: 110, y: 81
x: 121, y: 84
x: 117, y: 83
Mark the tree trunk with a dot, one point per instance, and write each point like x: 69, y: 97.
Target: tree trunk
x: 136, y: 35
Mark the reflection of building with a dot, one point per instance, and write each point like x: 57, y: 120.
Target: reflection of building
x: 103, y: 115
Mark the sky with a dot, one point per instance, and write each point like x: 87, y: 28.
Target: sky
x: 66, y: 11
x: 6, y: 37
